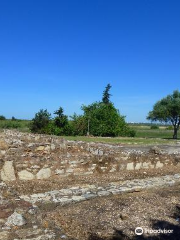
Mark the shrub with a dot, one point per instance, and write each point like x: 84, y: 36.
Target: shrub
x: 154, y: 126
x: 105, y: 120
x: 40, y: 122
x: 78, y: 125
x: 131, y: 133
x: 169, y: 128
x: 2, y: 117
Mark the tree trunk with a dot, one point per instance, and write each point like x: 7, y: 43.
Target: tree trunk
x: 175, y: 132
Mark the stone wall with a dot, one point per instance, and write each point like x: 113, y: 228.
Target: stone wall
x: 25, y: 156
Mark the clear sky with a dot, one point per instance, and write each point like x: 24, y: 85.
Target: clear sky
x: 64, y: 52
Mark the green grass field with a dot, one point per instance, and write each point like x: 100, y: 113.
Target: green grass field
x: 144, y: 134
x: 145, y: 131
x: 21, y: 125
x: 123, y: 140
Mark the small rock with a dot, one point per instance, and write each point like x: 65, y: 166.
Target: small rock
x: 4, y: 235
x: 123, y: 216
x: 25, y: 175
x: 15, y: 219
x: 40, y: 148
x: 155, y: 150
x: 3, y: 145
x: 44, y: 173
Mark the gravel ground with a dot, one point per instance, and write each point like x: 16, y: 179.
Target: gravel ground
x: 116, y: 217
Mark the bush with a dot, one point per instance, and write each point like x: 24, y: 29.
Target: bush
x: 53, y: 129
x: 154, y: 127
x: 169, y: 128
x: 105, y: 120
x: 2, y: 117
x: 131, y: 133
x: 40, y: 122
x: 78, y: 125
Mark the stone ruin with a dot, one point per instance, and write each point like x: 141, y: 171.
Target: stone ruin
x: 26, y: 156
x: 34, y: 174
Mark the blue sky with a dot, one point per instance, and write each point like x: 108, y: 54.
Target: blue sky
x: 63, y: 53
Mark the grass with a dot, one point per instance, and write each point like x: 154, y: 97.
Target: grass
x: 123, y: 140
x: 147, y: 132
x: 144, y: 134
x: 21, y: 125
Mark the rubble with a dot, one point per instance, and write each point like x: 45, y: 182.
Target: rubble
x: 43, y: 179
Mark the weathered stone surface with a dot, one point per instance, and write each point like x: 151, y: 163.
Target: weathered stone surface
x: 24, y: 233
x: 40, y: 148
x: 15, y: 219
x: 103, y: 193
x: 25, y: 175
x: 44, y: 173
x: 3, y: 145
x: 130, y: 166
x: 59, y: 171
x: 155, y: 150
x: 7, y: 172
x: 138, y: 166
x: 49, y: 156
x: 159, y: 164
x: 148, y: 165
x: 42, y: 237
x: 78, y: 198
x: 4, y: 235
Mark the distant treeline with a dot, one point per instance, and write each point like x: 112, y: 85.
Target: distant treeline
x: 98, y: 119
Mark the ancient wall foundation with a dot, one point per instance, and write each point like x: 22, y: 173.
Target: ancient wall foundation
x: 25, y: 156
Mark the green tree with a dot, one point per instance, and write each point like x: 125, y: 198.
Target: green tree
x: 2, y: 117
x: 105, y: 120
x: 61, y: 120
x: 106, y: 94
x: 78, y: 125
x: 40, y: 122
x: 61, y: 123
x: 167, y: 110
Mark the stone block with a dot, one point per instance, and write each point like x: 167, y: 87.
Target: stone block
x: 44, y: 173
x: 138, y: 166
x: 7, y: 172
x: 159, y: 164
x: 130, y: 166
x: 25, y: 175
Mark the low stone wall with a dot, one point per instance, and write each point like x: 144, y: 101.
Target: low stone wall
x: 26, y: 156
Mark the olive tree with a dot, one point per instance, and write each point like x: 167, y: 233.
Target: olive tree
x: 167, y: 110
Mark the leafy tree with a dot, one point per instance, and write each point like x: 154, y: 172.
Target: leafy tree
x: 101, y: 119
x: 59, y: 112
x: 78, y: 125
x: 40, y: 122
x: 61, y: 120
x: 61, y: 123
x: 105, y: 120
x: 106, y: 94
x: 2, y: 117
x: 167, y: 110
